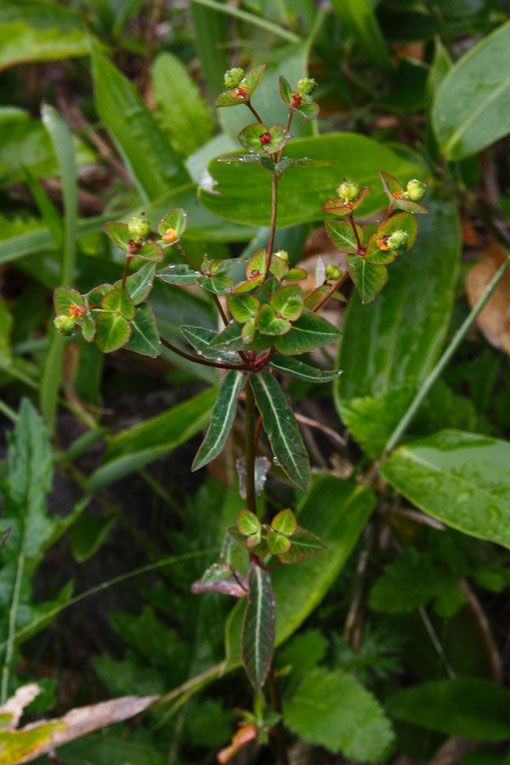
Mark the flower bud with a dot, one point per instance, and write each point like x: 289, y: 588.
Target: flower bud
x: 306, y: 85
x: 397, y: 240
x: 333, y: 272
x: 283, y: 254
x: 65, y: 324
x: 415, y: 190
x: 233, y: 77
x: 348, y: 190
x: 139, y: 228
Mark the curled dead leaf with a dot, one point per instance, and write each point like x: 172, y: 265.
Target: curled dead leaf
x: 494, y: 320
x: 240, y: 738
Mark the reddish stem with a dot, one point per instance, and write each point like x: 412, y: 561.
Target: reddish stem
x: 330, y: 292
x: 353, y: 226
x: 126, y: 269
x: 254, y: 112
x: 183, y: 254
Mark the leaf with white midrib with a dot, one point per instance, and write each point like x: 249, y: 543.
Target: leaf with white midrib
x: 222, y: 417
x: 301, y: 371
x: 257, y: 636
x: 282, y: 429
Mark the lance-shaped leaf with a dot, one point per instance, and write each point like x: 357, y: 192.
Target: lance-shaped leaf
x: 64, y: 298
x: 219, y: 577
x: 304, y: 106
x: 257, y: 635
x: 301, y: 371
x: 242, y: 93
x: 172, y: 226
x: 341, y: 207
x: 258, y: 137
x: 282, y: 429
x: 308, y: 332
x: 139, y: 284
x: 118, y: 301
x: 112, y: 332
x: 342, y: 235
x: 379, y: 248
x: 368, y: 278
x: 144, y: 337
x: 304, y: 544
x: 222, y: 417
x: 230, y: 339
x: 179, y: 274
x: 398, y: 195
x: 201, y: 338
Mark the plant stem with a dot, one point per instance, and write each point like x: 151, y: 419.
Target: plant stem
x: 254, y: 112
x: 272, y: 225
x: 126, y: 269
x: 330, y: 292
x: 279, y: 731
x: 353, y: 226
x: 220, y: 309
x: 204, y: 362
x: 445, y: 358
x: 183, y: 254
x: 249, y: 448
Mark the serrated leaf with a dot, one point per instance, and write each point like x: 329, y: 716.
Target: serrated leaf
x: 112, y: 332
x: 368, y: 278
x: 139, y: 284
x: 301, y: 371
x: 257, y: 637
x: 144, y: 338
x: 466, y: 707
x: 342, y: 235
x: 118, y: 301
x: 333, y: 709
x: 222, y: 417
x: 460, y: 478
x: 282, y: 429
x: 304, y: 545
x: 308, y: 332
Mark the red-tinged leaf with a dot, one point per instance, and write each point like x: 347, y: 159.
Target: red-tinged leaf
x: 242, y: 307
x: 258, y: 138
x: 378, y: 250
x: 150, y: 251
x: 119, y: 233
x: 268, y: 323
x: 172, y: 226
x: 285, y: 522
x: 278, y: 544
x: 64, y: 298
x: 144, y: 337
x: 342, y: 235
x: 139, y: 284
x: 118, y: 301
x: 242, y: 93
x: 339, y: 207
x: 397, y: 195
x: 256, y: 265
x: 308, y: 110
x: 96, y: 294
x: 258, y: 631
x: 368, y: 278
x: 247, y: 522
x: 112, y: 332
x: 219, y: 577
x: 304, y: 544
x: 296, y: 275
x: 288, y: 302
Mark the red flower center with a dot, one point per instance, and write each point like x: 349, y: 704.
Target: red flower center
x: 296, y: 100
x: 265, y: 138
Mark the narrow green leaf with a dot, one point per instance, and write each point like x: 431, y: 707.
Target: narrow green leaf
x: 144, y: 147
x: 308, y: 332
x: 21, y: 43
x: 301, y: 371
x: 464, y: 707
x: 144, y: 336
x: 282, y: 429
x: 222, y: 417
x: 201, y: 338
x: 460, y: 478
x: 89, y: 533
x: 368, y: 278
x: 360, y: 18
x: 333, y: 709
x: 257, y: 637
x: 141, y: 444
x: 479, y: 86
x: 112, y: 332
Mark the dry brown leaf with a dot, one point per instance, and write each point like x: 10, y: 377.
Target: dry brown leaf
x: 30, y: 742
x: 494, y: 320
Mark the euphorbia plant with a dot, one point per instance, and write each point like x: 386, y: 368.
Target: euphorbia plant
x: 268, y: 322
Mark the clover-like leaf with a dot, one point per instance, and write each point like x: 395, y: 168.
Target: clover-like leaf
x: 112, y: 332
x: 172, y: 226
x: 398, y: 195
x: 277, y: 543
x: 218, y: 285
x: 118, y: 301
x: 296, y: 275
x: 139, y: 284
x: 287, y: 302
x: 255, y: 271
x: 144, y: 337
x: 248, y: 523
x: 243, y: 307
x: 379, y: 247
x: 244, y: 90
x: 269, y: 323
x: 303, y: 105
x: 248, y: 331
x: 341, y: 207
x: 285, y: 522
x: 278, y: 267
x: 258, y: 138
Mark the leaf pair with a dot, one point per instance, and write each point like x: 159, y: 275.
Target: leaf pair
x: 272, y: 318
x: 301, y: 104
x: 283, y: 538
x: 243, y: 92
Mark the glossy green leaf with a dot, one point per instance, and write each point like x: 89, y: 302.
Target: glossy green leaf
x: 89, y: 533
x: 173, y: 225
x: 465, y: 707
x: 304, y: 545
x: 144, y: 338
x: 336, y: 511
x: 378, y: 251
x: 201, y: 338
x: 64, y: 298
x: 139, y: 284
x: 277, y: 544
x: 149, y: 251
x: 257, y: 636
x: 308, y: 332
x: 182, y: 111
x: 333, y: 710
x: 248, y: 523
x: 242, y: 192
x: 119, y: 233
x: 479, y: 87
x: 242, y: 307
x: 342, y: 235
x: 397, y: 195
x: 135, y: 447
x: 179, y: 274
x: 231, y: 339
x: 391, y: 345
x: 21, y: 43
x: 282, y: 429
x: 268, y: 323
x: 285, y: 522
x: 118, y: 301
x: 301, y: 371
x: 222, y: 417
x: 112, y: 332
x: 359, y: 16
x: 218, y: 285
x: 258, y: 138
x: 460, y: 478
x: 368, y: 278
x: 288, y: 302
x: 143, y: 145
